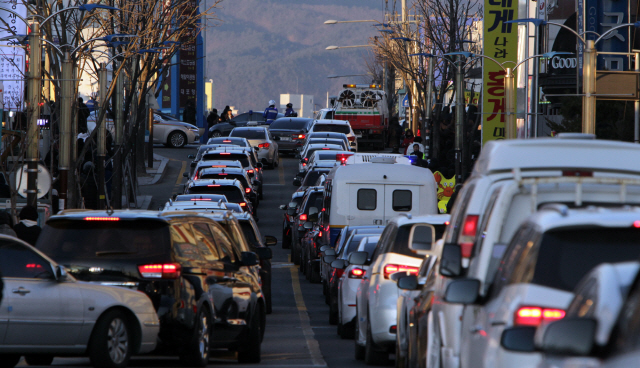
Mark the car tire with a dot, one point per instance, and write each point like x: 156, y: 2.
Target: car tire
x: 38, y: 359
x: 250, y: 350
x: 177, y: 139
x: 111, y: 343
x: 197, y: 351
x: 372, y: 353
x: 314, y: 272
x: 346, y: 332
x: 333, y: 314
x: 294, y: 254
x: 359, y: 350
x: 9, y: 360
x: 267, y: 299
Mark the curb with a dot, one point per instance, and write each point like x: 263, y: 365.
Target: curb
x: 160, y: 171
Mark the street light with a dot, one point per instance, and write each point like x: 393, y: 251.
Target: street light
x: 346, y: 47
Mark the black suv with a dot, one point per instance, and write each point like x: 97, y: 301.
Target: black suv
x: 197, y: 277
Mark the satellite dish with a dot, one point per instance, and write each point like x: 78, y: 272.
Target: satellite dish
x: 43, y: 182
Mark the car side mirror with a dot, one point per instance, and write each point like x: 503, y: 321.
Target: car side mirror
x: 193, y: 164
x: 408, y: 282
x: 297, y: 182
x: 291, y: 211
x: 358, y: 258
x: 191, y: 156
x: 421, y: 238
x: 569, y: 336
x: 518, y: 338
x: 264, y: 253
x: 462, y: 291
x: 308, y: 225
x: 451, y: 261
x: 328, y: 259
x: 283, y: 207
x: 259, y: 165
x: 329, y: 252
x: 324, y: 248
x: 270, y: 241
x: 61, y: 273
x: 185, y: 174
x: 249, y: 259
x: 339, y: 263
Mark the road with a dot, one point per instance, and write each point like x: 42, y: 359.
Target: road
x: 298, y: 333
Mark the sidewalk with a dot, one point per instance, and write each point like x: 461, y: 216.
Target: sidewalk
x: 152, y: 176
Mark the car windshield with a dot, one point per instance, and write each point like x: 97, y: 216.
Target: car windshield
x: 337, y: 128
x: 248, y: 133
x: 233, y: 193
x: 566, y: 255
x: 312, y: 177
x: 288, y: 124
x: 226, y: 156
x: 326, y: 156
x: 70, y: 241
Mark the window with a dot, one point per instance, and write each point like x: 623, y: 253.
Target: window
x: 185, y: 246
x: 233, y: 193
x: 205, y: 242
x: 336, y: 128
x: 17, y: 260
x: 509, y: 259
x: 243, y: 158
x: 367, y: 199
x: 288, y: 124
x: 401, y: 200
x: 248, y: 133
x: 459, y: 212
x: 225, y: 244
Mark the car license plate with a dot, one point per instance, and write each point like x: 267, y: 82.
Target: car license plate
x: 285, y: 139
x: 359, y: 135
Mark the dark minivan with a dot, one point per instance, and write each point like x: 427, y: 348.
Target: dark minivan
x: 291, y: 131
x: 188, y: 265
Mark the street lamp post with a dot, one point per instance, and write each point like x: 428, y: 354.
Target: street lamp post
x: 460, y: 169
x: 35, y: 55
x: 64, y: 162
x: 102, y: 134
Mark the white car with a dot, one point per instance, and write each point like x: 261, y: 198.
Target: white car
x: 539, y: 269
x: 46, y: 313
x: 336, y: 126
x: 310, y: 149
x: 261, y: 138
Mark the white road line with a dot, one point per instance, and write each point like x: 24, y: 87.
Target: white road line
x: 307, y: 330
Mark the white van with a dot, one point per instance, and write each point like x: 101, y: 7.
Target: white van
x: 372, y: 193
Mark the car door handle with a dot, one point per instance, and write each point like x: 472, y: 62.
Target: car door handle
x: 21, y: 291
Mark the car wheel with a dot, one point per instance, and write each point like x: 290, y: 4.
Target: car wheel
x: 267, y: 299
x: 197, y: 352
x: 9, y: 360
x: 38, y: 359
x: 359, y: 350
x: 314, y: 272
x: 216, y: 134
x: 111, y: 345
x: 177, y: 139
x: 250, y: 351
x: 372, y: 353
x: 294, y: 255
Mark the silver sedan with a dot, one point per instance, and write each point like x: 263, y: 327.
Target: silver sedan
x: 261, y: 138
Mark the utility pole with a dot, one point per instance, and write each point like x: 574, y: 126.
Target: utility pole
x: 116, y: 182
x: 102, y: 135
x: 150, y: 127
x: 636, y: 105
x: 64, y: 162
x: 510, y: 104
x: 459, y: 120
x: 428, y: 110
x: 35, y: 90
x: 589, y: 88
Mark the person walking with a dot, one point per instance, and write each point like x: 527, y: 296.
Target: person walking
x: 408, y: 139
x: 270, y: 113
x: 224, y: 117
x: 290, y: 112
x: 5, y: 224
x: 212, y: 120
x: 189, y: 113
x: 27, y: 229
x: 83, y: 115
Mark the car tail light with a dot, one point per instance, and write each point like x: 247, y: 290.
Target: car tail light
x: 338, y: 272
x: 351, y: 139
x: 102, y: 218
x: 160, y: 271
x: 320, y: 234
x: 298, y: 136
x: 357, y: 273
x: 263, y: 145
x: 222, y: 174
x: 468, y: 235
x: 303, y: 217
x: 247, y: 190
x: 250, y: 171
x: 227, y: 141
x: 342, y: 157
x: 636, y: 224
x: 534, y: 316
x: 243, y: 204
x: 393, y: 329
x: 393, y: 268
x: 304, y: 164
x: 213, y: 185
x: 225, y: 153
x: 325, y: 148
x: 201, y: 199
x: 306, y: 159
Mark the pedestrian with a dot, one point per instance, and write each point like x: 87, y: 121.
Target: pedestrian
x: 92, y: 103
x: 416, y: 151
x: 27, y: 229
x: 212, y: 120
x: 290, y: 112
x: 83, y: 115
x: 395, y: 134
x: 270, y: 113
x: 224, y: 117
x: 408, y: 139
x: 189, y: 113
x: 5, y: 224
x: 89, y: 186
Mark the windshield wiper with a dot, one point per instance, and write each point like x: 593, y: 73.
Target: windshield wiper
x: 109, y: 252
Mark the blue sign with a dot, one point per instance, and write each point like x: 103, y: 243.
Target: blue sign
x: 405, y: 101
x: 600, y: 16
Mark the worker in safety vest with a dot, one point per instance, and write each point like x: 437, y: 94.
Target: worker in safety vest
x: 270, y: 113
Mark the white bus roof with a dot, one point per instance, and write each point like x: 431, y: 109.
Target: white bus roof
x: 558, y: 154
x: 365, y: 158
x: 374, y: 173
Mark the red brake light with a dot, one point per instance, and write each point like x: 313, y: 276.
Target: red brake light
x: 356, y: 273
x: 298, y: 136
x: 320, y: 234
x: 225, y: 153
x: 577, y: 173
x: 351, y: 139
x: 303, y: 217
x: 304, y: 164
x: 227, y: 141
x: 342, y: 157
x: 468, y: 235
x: 250, y: 171
x: 201, y: 199
x: 393, y: 268
x: 325, y: 148
x: 213, y: 185
x: 160, y: 271
x: 636, y: 224
x: 247, y: 190
x: 102, y: 218
x: 338, y: 272
x: 243, y: 204
x: 306, y: 159
x: 263, y: 145
x: 534, y: 316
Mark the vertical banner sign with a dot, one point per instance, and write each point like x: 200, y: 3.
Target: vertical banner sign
x: 500, y: 43
x: 166, y: 90
x: 12, y: 59
x: 187, y: 76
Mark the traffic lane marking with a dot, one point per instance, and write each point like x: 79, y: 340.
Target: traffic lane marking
x: 182, y: 170
x: 305, y: 323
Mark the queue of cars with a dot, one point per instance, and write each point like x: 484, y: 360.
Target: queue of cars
x: 537, y: 265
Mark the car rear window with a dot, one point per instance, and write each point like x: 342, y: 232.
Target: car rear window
x: 248, y: 133
x: 76, y: 240
x: 315, y: 200
x: 312, y: 177
x: 326, y: 141
x: 326, y: 156
x: 233, y: 193
x: 201, y: 197
x: 288, y: 124
x: 331, y: 128
x: 244, y: 160
x: 206, y: 175
x: 226, y: 140
x: 566, y: 255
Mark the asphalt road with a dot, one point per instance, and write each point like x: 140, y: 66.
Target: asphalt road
x: 298, y: 333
